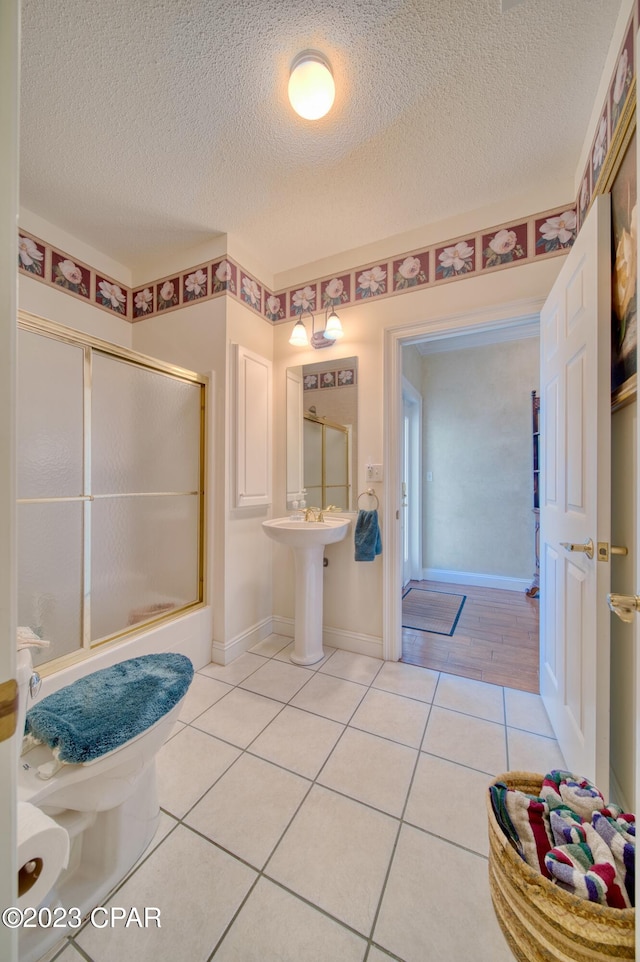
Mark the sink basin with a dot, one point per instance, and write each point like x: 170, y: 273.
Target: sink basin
x: 301, y: 534
x: 307, y: 540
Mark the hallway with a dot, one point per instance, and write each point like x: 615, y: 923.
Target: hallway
x: 495, y: 640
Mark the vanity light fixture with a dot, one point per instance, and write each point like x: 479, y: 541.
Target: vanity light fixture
x: 311, y: 86
x: 332, y: 330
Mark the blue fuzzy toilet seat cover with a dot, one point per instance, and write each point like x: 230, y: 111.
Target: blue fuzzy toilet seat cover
x: 107, y: 708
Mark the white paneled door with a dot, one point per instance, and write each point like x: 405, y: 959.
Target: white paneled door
x: 575, y: 334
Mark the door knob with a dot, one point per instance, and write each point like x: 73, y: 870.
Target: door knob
x: 624, y: 606
x: 586, y: 548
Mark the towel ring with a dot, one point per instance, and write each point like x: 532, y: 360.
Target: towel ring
x: 371, y: 494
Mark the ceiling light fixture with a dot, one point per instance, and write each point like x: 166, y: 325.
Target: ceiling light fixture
x: 332, y: 331
x: 311, y: 86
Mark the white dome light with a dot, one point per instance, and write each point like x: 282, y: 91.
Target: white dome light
x: 311, y: 86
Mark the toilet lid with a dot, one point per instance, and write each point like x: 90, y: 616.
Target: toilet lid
x: 107, y: 708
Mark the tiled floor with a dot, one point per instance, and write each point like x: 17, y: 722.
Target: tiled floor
x: 496, y: 638
x: 332, y: 814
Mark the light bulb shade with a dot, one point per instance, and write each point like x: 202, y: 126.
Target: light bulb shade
x: 333, y: 331
x: 311, y: 86
x: 299, y: 336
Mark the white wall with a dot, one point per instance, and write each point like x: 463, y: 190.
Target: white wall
x: 477, y: 510
x: 238, y: 585
x: 353, y: 590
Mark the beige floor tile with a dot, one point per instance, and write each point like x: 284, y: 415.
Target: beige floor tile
x: 407, y: 680
x: 457, y: 921
x: 236, y: 671
x: 278, y: 680
x: 526, y: 711
x: 331, y: 697
x: 270, y: 646
x: 284, y: 655
x: 392, y: 716
x: 370, y: 769
x: 298, y: 740
x: 178, y: 726
x: 248, y: 809
x: 467, y: 740
x: 275, y: 925
x: 353, y: 667
x: 450, y: 800
x: 377, y: 955
x: 197, y: 888
x: 203, y: 692
x: 238, y: 717
x: 335, y: 854
x: 469, y: 696
x: 533, y: 753
x: 187, y: 766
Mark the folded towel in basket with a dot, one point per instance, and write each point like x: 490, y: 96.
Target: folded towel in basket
x: 587, y: 869
x: 565, y: 790
x: 619, y: 834
x: 530, y: 818
x: 567, y: 828
x: 367, y: 536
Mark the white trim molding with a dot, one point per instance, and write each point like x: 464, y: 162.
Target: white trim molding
x: 476, y: 578
x: 222, y: 654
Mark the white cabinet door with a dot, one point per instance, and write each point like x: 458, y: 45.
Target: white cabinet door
x: 252, y: 434
x: 575, y: 332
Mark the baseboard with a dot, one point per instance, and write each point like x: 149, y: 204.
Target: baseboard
x: 223, y: 654
x: 282, y: 626
x: 353, y: 641
x: 476, y: 578
x: 335, y: 638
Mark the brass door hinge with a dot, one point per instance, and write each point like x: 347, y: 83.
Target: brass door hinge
x: 8, y: 708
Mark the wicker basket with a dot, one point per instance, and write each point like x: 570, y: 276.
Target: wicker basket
x: 541, y: 922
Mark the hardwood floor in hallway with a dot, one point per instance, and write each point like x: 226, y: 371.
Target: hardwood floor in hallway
x: 495, y: 640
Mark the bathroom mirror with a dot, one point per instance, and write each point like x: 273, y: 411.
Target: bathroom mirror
x: 322, y: 433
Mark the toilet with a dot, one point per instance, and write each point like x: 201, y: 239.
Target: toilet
x: 103, y: 794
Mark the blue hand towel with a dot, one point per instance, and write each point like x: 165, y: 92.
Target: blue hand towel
x: 367, y: 536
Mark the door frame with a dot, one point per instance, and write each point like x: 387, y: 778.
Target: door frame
x: 413, y: 399
x: 9, y: 109
x: 512, y: 315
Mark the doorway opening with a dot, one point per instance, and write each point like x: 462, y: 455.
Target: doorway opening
x: 467, y: 528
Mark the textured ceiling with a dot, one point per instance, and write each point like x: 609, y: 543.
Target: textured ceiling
x: 149, y: 126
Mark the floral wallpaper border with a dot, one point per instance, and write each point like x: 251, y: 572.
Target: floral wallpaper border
x: 522, y: 241
x: 611, y: 113
x: 343, y: 377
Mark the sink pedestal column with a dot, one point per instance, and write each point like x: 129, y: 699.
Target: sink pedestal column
x: 307, y: 645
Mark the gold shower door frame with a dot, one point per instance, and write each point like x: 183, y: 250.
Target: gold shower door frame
x: 89, y: 345
x: 333, y: 425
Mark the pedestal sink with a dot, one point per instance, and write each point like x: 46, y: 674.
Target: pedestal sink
x: 307, y: 540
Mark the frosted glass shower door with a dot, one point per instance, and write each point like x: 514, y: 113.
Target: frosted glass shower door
x: 50, y: 456
x: 146, y: 485
x: 313, y: 462
x: 336, y: 443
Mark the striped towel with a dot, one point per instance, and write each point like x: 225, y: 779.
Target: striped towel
x: 565, y: 790
x: 587, y: 869
x: 619, y: 834
x: 530, y: 817
x: 567, y: 828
